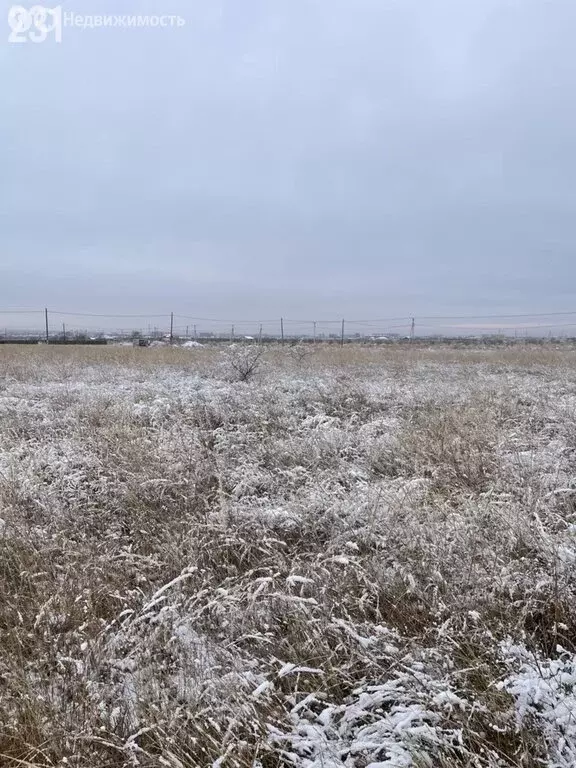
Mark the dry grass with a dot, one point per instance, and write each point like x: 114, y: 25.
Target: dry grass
x: 330, y: 564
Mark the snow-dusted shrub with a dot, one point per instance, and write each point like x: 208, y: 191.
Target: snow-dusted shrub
x: 301, y: 351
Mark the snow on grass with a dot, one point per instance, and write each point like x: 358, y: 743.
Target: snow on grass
x: 544, y: 692
x: 351, y: 558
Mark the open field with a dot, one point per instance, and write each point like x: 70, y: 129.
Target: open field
x: 355, y: 557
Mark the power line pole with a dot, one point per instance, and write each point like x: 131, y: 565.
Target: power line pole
x: 314, y: 332
x: 195, y: 334
x: 260, y: 334
x: 64, y: 332
x: 171, y: 327
x: 47, y: 330
x: 412, y: 329
x: 342, y: 336
x: 282, y: 331
x: 232, y: 334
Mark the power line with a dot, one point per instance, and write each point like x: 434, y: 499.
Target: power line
x: 94, y: 314
x: 220, y: 320
x: 493, y: 317
x: 293, y: 327
x: 21, y: 311
x: 406, y: 318
x: 378, y: 320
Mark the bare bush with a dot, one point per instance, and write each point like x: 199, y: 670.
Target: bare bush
x: 244, y: 361
x: 301, y: 351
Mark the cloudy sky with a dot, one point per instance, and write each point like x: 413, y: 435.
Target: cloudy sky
x: 311, y: 158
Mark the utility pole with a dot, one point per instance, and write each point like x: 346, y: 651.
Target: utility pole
x: 47, y: 331
x: 195, y: 334
x: 64, y: 332
x: 342, y: 336
x: 314, y: 332
x: 282, y: 330
x: 187, y: 331
x: 171, y: 327
x: 260, y: 334
x: 413, y: 329
x: 232, y: 335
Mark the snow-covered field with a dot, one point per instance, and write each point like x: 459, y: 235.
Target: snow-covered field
x: 353, y: 558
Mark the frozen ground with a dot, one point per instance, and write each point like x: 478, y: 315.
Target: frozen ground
x: 354, y: 558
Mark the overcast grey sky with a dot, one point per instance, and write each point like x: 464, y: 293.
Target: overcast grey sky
x: 312, y: 158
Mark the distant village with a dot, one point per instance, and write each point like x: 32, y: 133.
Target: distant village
x: 199, y: 338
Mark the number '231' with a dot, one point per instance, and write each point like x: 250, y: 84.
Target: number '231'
x: 34, y: 24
